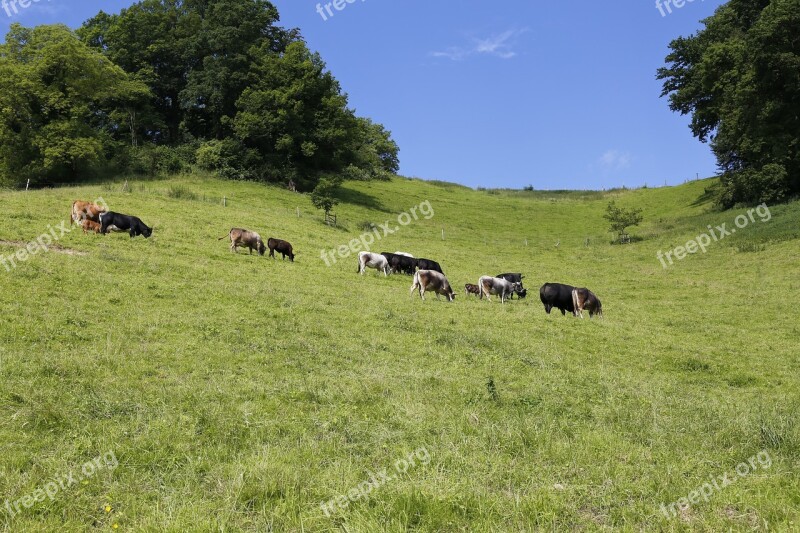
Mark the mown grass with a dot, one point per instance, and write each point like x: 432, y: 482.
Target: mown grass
x: 239, y: 392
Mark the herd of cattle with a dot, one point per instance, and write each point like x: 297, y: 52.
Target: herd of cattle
x: 427, y: 274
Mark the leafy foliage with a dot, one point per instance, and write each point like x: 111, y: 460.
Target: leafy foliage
x: 61, y: 106
x: 739, y: 78
x: 622, y: 218
x: 324, y: 194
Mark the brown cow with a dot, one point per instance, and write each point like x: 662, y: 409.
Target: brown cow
x: 469, y: 288
x: 86, y: 210
x: 90, y: 225
x: 243, y: 237
x: 585, y: 299
x: 283, y: 247
x: 430, y: 280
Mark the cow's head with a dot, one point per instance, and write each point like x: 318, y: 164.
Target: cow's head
x: 261, y: 248
x: 451, y: 296
x: 146, y: 231
x: 522, y: 293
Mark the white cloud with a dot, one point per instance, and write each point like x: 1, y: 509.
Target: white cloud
x: 615, y: 160
x: 500, y: 45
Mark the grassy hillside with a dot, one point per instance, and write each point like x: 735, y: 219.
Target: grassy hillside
x: 237, y: 392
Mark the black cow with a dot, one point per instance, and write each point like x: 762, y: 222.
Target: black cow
x: 557, y: 295
x: 132, y: 225
x: 283, y: 248
x: 515, y: 278
x: 429, y: 264
x: 400, y: 263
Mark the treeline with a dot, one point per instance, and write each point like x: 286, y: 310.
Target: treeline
x: 171, y: 83
x: 739, y: 79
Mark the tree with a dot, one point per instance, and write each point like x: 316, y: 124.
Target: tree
x: 622, y: 218
x: 739, y: 78
x: 59, y: 106
x: 324, y: 194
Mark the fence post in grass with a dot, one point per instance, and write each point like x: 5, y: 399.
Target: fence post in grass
x: 28, y: 184
x: 526, y: 242
x: 298, y: 212
x: 224, y: 201
x: 442, y: 233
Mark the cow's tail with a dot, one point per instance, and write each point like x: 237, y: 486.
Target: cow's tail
x: 480, y: 289
x: 72, y: 215
x: 415, y: 284
x: 227, y: 235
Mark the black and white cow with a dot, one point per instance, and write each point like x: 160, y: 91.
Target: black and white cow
x: 429, y: 280
x: 496, y: 286
x: 557, y: 295
x: 133, y: 225
x: 370, y: 260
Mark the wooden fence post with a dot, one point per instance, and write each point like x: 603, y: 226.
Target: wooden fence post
x: 224, y: 201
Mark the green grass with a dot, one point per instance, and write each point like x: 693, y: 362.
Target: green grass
x: 239, y: 392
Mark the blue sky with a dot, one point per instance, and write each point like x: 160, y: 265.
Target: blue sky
x: 558, y: 94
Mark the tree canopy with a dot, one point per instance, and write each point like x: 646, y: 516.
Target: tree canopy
x: 739, y: 79
x: 172, y: 82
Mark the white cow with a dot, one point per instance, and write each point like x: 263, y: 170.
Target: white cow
x: 376, y: 261
x: 497, y: 286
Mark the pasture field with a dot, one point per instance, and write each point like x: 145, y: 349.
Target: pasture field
x: 239, y: 393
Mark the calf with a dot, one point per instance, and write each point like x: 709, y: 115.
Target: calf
x: 497, y: 286
x: 85, y: 210
x: 469, y: 288
x: 243, y: 237
x: 90, y: 225
x: 428, y: 264
x: 515, y: 278
x: 557, y: 295
x: 376, y: 261
x: 429, y: 280
x: 133, y: 225
x: 283, y: 248
x: 585, y: 299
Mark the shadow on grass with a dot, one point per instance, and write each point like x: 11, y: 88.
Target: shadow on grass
x: 351, y: 196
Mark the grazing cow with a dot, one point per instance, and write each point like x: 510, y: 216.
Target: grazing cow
x: 428, y: 264
x: 585, y: 299
x: 400, y: 263
x: 133, y: 225
x: 283, y: 248
x: 243, y: 237
x: 429, y: 280
x: 85, y: 210
x: 90, y: 225
x: 497, y: 286
x: 515, y: 278
x: 376, y: 261
x: 557, y: 295
x: 469, y: 288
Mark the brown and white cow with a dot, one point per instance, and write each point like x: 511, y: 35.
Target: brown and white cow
x: 86, y: 210
x: 245, y: 238
x: 497, y: 286
x: 582, y: 299
x: 469, y: 288
x: 430, y: 280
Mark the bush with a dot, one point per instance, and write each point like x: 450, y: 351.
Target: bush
x: 181, y: 192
